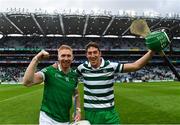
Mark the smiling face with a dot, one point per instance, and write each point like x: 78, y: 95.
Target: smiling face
x: 94, y: 56
x: 65, y: 58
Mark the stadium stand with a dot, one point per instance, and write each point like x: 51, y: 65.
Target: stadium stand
x: 11, y: 74
x: 15, y: 74
x: 36, y: 31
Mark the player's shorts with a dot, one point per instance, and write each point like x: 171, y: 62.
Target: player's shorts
x: 102, y: 117
x: 46, y: 120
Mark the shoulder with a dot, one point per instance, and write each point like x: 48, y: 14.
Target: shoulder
x: 48, y: 68
x: 55, y: 65
x: 83, y: 65
x: 113, y: 65
x: 108, y: 63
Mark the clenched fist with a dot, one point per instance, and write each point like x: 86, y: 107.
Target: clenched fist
x: 42, y: 55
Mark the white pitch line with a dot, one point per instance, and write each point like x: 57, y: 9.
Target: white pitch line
x: 11, y: 98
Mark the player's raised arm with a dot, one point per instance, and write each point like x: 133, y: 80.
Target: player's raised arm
x: 31, y: 77
x: 132, y: 67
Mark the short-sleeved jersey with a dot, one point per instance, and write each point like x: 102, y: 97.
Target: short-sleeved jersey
x: 58, y: 91
x: 98, y: 84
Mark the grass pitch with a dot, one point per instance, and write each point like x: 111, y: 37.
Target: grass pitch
x: 137, y: 103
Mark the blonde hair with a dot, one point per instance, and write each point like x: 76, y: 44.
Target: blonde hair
x: 65, y: 47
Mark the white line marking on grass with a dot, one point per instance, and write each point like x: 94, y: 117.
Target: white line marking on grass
x: 11, y: 98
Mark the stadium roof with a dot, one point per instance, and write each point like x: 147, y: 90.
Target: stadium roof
x: 79, y: 25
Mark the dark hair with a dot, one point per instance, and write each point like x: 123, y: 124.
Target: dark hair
x: 92, y: 44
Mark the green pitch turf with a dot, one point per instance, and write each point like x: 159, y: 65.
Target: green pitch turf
x: 137, y: 103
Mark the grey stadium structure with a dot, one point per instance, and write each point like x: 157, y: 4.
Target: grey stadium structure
x: 24, y: 34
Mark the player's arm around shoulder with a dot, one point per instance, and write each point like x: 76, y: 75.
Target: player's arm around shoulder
x: 132, y: 67
x: 31, y: 77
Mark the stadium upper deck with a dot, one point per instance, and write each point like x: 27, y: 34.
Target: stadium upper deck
x: 28, y: 24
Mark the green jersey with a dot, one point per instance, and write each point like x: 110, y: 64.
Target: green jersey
x: 58, y: 91
x: 98, y: 84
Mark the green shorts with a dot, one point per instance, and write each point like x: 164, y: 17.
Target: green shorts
x: 102, y: 117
